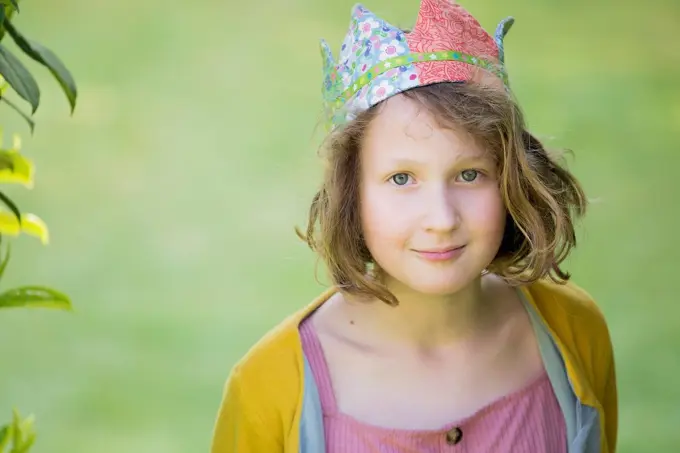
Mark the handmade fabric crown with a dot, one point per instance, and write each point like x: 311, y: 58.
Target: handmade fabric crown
x: 378, y: 60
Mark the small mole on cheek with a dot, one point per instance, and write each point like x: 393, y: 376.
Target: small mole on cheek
x: 351, y: 321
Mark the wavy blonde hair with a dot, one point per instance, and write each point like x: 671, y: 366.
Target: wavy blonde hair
x: 542, y: 198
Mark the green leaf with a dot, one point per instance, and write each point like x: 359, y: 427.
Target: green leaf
x: 27, y: 435
x: 26, y: 445
x: 6, y: 436
x: 12, y: 207
x: 3, y: 266
x: 16, y: 168
x: 6, y: 162
x: 2, y: 20
x: 9, y: 11
x: 47, y: 58
x: 18, y: 434
x: 16, y: 74
x: 31, y: 123
x: 30, y: 224
x: 35, y: 297
x: 27, y: 425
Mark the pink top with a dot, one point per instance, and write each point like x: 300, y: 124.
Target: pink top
x: 527, y: 421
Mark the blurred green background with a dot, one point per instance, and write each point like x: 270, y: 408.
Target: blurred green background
x: 173, y: 191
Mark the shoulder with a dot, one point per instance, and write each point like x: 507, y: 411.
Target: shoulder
x: 272, y: 358
x: 277, y: 356
x: 263, y: 391
x: 567, y: 303
x: 272, y: 367
x: 579, y: 327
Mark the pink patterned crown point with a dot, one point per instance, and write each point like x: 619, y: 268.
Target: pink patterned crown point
x: 378, y: 60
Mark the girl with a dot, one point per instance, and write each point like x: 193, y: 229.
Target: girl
x: 451, y: 326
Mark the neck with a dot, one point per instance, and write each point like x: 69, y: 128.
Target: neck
x: 422, y: 320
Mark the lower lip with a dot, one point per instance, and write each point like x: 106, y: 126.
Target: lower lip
x: 441, y: 256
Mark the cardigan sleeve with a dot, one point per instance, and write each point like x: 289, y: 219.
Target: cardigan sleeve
x: 242, y: 424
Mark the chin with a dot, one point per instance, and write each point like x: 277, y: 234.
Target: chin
x: 433, y: 283
x: 439, y: 288
x: 437, y: 280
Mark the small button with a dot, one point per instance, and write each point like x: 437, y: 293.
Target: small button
x: 453, y: 436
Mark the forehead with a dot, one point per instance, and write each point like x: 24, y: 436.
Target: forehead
x: 404, y: 128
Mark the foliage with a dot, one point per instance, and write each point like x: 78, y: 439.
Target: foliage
x: 19, y: 435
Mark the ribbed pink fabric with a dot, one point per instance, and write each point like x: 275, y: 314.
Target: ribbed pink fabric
x: 527, y: 421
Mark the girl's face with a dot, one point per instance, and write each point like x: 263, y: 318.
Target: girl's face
x: 431, y: 209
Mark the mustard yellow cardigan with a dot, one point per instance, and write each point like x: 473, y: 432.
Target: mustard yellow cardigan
x: 270, y: 401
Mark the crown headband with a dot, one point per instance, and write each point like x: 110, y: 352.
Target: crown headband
x: 378, y: 60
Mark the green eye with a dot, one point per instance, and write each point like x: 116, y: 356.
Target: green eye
x: 469, y: 175
x: 400, y: 179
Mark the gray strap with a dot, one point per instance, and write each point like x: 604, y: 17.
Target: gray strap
x: 311, y: 421
x: 554, y: 366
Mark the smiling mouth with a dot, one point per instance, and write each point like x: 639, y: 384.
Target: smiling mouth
x: 441, y: 254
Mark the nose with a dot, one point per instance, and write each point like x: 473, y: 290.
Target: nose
x: 441, y: 213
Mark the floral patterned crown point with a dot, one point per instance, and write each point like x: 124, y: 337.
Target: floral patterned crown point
x: 378, y: 60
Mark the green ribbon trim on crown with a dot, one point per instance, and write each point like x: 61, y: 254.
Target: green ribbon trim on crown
x: 404, y: 60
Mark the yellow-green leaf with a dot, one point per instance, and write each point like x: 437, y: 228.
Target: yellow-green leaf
x: 6, y: 436
x: 3, y: 85
x: 27, y: 425
x: 16, y: 168
x: 26, y: 445
x: 18, y: 435
x: 30, y: 224
x: 27, y: 435
x: 35, y: 297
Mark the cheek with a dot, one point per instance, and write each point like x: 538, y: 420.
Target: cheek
x: 486, y: 214
x: 382, y: 220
